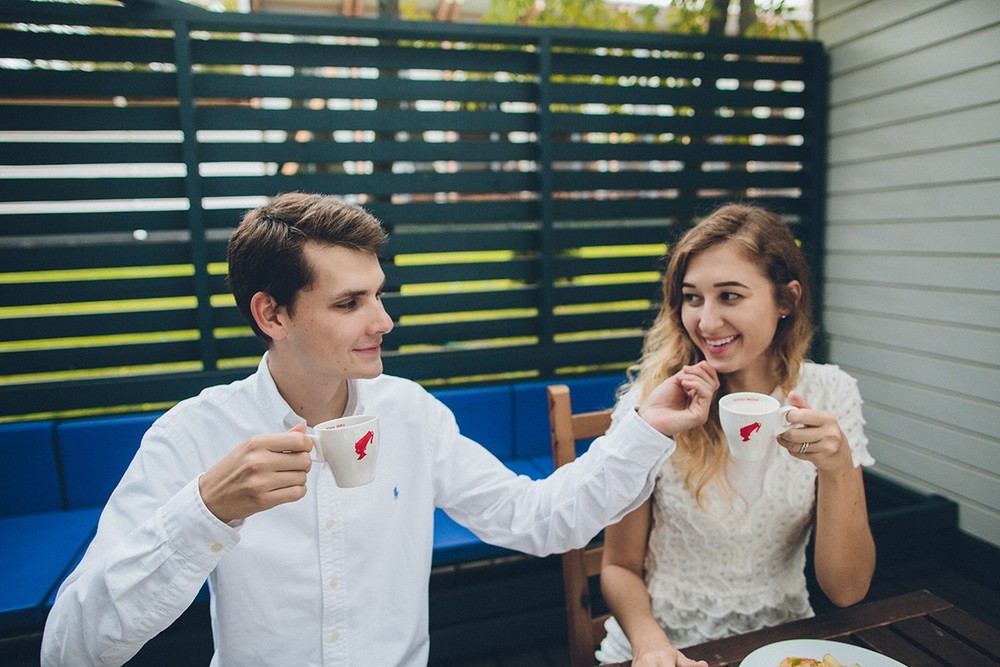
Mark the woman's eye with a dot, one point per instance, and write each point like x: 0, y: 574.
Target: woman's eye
x: 730, y: 296
x: 692, y: 298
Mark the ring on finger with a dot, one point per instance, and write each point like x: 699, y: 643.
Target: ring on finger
x: 804, y: 448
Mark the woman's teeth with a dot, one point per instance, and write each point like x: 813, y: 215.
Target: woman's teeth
x: 719, y: 342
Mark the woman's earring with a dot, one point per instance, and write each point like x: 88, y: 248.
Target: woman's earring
x: 784, y: 316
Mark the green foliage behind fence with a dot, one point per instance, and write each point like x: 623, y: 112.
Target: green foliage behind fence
x: 531, y: 180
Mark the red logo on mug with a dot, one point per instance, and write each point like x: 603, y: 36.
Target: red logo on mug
x: 361, y: 446
x: 747, y: 430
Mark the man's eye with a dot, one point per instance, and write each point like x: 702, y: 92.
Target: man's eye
x: 348, y: 305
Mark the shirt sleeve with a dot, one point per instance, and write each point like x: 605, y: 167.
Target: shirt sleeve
x: 561, y: 512
x: 154, y: 548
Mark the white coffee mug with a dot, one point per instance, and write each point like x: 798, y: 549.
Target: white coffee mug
x: 349, y: 445
x: 752, y: 422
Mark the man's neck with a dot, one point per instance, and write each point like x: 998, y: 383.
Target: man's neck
x: 313, y: 397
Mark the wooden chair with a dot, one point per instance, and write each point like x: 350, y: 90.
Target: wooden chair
x: 585, y: 630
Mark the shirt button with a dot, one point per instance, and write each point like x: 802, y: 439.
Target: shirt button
x: 334, y: 636
x: 329, y: 523
x: 333, y: 583
x: 216, y: 548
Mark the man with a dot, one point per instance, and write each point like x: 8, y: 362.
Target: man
x: 301, y: 571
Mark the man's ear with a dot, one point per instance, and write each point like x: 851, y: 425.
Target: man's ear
x: 268, y: 315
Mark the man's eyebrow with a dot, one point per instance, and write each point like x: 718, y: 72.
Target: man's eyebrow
x: 351, y: 294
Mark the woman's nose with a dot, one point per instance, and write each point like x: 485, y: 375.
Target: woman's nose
x: 711, y: 317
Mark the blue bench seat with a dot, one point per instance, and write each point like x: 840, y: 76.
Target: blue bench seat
x: 39, y: 550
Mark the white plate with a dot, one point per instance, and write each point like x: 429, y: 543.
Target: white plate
x: 848, y: 654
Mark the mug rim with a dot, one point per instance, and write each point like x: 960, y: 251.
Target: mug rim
x: 351, y: 420
x: 771, y: 401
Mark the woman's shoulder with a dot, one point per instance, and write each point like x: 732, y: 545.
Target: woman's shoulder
x: 830, y: 376
x: 827, y: 385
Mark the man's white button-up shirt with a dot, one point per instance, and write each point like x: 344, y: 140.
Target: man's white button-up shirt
x: 341, y: 576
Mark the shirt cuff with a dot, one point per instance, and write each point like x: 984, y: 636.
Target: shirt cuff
x: 640, y: 439
x: 193, y: 530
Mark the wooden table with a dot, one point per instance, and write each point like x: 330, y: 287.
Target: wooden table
x: 917, y: 629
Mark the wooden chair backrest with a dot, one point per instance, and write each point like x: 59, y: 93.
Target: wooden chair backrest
x: 579, y: 565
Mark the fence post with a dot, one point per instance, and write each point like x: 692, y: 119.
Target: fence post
x: 192, y: 187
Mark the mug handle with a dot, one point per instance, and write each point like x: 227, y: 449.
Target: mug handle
x: 783, y: 416
x: 317, y: 450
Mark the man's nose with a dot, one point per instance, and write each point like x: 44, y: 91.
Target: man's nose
x: 382, y: 323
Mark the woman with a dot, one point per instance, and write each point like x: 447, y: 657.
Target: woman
x: 720, y: 547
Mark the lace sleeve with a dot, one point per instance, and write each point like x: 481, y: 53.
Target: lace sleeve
x: 845, y: 403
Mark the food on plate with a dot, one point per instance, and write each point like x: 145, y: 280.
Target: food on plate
x: 793, y: 661
x: 830, y: 661
x: 827, y: 661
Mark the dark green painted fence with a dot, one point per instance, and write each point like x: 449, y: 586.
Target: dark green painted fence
x: 530, y: 180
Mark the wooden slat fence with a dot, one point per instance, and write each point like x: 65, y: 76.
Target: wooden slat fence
x: 531, y: 180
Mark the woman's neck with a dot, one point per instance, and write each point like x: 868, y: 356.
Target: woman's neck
x: 752, y: 380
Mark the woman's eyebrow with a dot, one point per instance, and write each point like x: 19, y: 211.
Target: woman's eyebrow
x: 726, y: 283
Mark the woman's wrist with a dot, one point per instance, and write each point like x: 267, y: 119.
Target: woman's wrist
x: 650, y: 640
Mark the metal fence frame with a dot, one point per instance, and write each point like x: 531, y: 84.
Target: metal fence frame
x: 694, y: 108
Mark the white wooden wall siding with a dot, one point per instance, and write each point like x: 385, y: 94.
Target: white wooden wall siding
x: 912, y: 300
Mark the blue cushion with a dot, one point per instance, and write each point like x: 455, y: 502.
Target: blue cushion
x: 543, y: 463
x: 29, y: 480
x: 38, y: 552
x: 527, y: 467
x: 455, y: 544
x: 95, y: 453
x: 484, y: 414
x: 531, y: 409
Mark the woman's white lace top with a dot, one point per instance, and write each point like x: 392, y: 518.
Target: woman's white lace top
x: 738, y: 563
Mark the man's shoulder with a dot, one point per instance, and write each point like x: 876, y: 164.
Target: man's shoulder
x: 213, y: 399
x: 397, y: 396
x: 391, y: 386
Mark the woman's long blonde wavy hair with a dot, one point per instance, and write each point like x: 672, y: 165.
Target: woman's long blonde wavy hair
x: 764, y: 239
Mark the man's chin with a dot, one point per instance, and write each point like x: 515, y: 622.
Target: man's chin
x: 369, y: 372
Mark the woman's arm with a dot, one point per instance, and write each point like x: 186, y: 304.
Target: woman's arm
x: 844, y: 554
x: 624, y: 590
